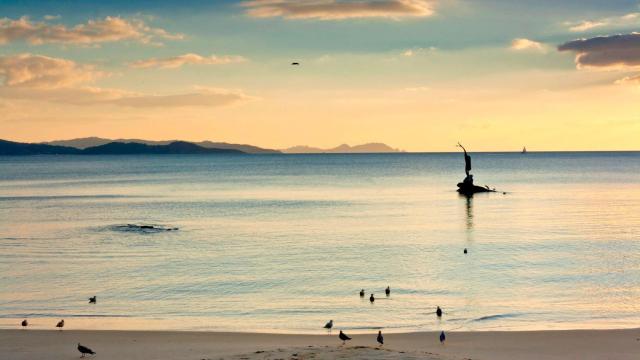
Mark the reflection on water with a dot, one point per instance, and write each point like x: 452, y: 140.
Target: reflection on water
x: 284, y: 243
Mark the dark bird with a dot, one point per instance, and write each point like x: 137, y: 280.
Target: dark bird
x: 442, y: 337
x: 387, y: 291
x: 92, y: 300
x: 362, y: 293
x: 85, y: 350
x: 329, y: 325
x: 343, y: 337
x: 60, y: 324
x: 380, y: 339
x: 465, y: 250
x: 24, y: 323
x: 295, y: 63
x: 439, y: 312
x: 372, y: 299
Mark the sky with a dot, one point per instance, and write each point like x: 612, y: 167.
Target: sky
x: 419, y: 75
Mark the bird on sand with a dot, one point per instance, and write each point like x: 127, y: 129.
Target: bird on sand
x: 439, y: 312
x: 362, y: 293
x: 442, y: 337
x: 25, y: 323
x: 465, y: 250
x: 295, y: 63
x: 92, y: 300
x: 387, y: 291
x: 60, y: 324
x: 85, y: 350
x: 372, y: 299
x: 329, y: 325
x: 380, y: 339
x: 342, y: 336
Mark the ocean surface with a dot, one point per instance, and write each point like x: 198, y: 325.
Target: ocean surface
x: 284, y: 243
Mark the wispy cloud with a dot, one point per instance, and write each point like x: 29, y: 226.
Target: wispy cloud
x: 201, y: 97
x: 620, y: 51
x: 338, y: 9
x: 37, y: 71
x: 616, y: 21
x: 418, y: 51
x: 190, y: 58
x: 629, y: 80
x: 109, y: 29
x: 41, y: 78
x: 526, y: 44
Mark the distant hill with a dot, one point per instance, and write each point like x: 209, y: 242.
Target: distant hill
x: 342, y: 149
x: 83, y: 143
x: 112, y: 148
x: 176, y: 147
x: 15, y: 148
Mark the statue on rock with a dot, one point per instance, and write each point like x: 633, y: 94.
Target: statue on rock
x: 466, y: 187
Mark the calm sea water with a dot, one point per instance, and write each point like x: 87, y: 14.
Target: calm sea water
x: 283, y: 243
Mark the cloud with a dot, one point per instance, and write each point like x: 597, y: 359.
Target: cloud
x: 629, y: 80
x: 338, y: 9
x: 526, y: 44
x: 177, y: 61
x: 586, y: 25
x: 620, y: 51
x: 37, y: 71
x: 109, y: 29
x: 417, y: 89
x: 42, y: 78
x: 418, y: 51
x: 616, y: 21
x: 203, y: 97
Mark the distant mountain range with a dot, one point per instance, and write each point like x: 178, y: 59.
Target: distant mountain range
x: 83, y: 143
x: 112, y: 148
x: 102, y: 146
x: 342, y: 149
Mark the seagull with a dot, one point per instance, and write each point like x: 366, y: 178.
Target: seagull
x: 343, y: 337
x: 362, y: 293
x: 24, y: 323
x: 295, y: 63
x: 372, y: 299
x: 329, y: 325
x: 442, y: 337
x: 380, y: 339
x: 92, y: 300
x: 85, y: 350
x: 465, y: 250
x: 60, y: 324
x: 387, y: 291
x: 439, y: 312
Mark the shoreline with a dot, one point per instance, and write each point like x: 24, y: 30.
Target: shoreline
x: 19, y: 344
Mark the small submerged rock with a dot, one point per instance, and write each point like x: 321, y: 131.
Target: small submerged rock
x: 143, y: 228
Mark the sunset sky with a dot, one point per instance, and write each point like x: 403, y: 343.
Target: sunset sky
x: 419, y: 75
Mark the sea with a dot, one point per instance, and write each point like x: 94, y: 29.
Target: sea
x: 284, y: 243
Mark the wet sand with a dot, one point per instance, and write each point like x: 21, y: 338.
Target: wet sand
x: 30, y: 344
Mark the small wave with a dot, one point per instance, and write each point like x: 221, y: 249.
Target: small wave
x: 496, y: 317
x: 52, y: 315
x: 62, y: 197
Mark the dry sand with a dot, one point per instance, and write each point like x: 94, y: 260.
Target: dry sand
x: 571, y: 344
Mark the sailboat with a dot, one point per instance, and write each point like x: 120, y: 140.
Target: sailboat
x: 524, y: 150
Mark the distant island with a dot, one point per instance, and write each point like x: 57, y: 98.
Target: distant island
x: 343, y: 149
x: 112, y: 148
x: 83, y: 143
x: 103, y: 146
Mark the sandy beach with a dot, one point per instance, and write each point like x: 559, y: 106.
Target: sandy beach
x: 138, y: 345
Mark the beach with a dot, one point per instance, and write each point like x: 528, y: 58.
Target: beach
x: 174, y: 345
